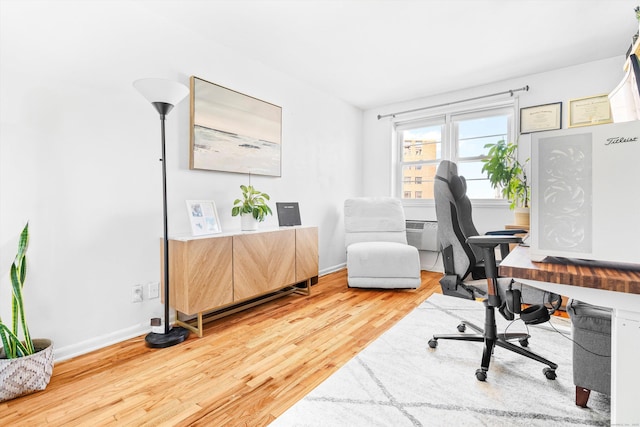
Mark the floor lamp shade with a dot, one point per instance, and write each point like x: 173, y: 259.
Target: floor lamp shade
x: 163, y: 95
x: 161, y: 90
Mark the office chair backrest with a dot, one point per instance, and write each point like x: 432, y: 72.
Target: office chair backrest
x: 374, y: 219
x: 455, y: 223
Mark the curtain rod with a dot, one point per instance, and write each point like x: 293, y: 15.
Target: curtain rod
x: 510, y: 92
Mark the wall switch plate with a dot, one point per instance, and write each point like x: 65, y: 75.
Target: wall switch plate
x: 136, y: 295
x: 154, y: 290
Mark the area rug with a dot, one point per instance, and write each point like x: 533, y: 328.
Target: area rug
x: 399, y: 381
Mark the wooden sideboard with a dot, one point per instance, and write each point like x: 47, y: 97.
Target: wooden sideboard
x: 221, y: 274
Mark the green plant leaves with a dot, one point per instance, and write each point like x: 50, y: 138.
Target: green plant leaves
x: 12, y: 345
x: 506, y: 173
x: 253, y: 202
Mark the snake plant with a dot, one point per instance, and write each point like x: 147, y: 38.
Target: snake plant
x: 13, y: 346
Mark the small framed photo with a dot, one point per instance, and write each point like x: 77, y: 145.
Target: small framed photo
x: 203, y: 216
x: 592, y: 110
x: 541, y: 117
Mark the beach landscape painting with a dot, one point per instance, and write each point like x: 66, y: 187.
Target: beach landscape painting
x: 233, y: 132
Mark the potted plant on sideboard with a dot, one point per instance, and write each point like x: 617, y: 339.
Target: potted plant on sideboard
x: 509, y: 175
x: 252, y: 208
x: 25, y: 365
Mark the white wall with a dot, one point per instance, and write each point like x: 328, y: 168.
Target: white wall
x: 560, y: 85
x: 79, y: 150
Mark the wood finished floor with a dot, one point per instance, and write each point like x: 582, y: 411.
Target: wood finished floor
x: 246, y: 370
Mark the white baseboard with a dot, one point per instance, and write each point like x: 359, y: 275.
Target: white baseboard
x: 96, y: 343
x: 332, y: 269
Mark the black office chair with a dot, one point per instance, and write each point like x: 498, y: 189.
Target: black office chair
x: 465, y: 254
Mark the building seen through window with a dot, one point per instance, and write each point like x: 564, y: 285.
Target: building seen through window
x: 461, y: 138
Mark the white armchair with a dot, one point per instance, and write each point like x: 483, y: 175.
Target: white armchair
x: 378, y: 255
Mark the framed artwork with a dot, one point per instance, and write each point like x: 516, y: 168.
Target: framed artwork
x: 232, y: 132
x: 592, y: 110
x: 541, y: 117
x: 203, y: 217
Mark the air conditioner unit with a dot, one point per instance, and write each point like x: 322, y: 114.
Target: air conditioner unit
x: 423, y: 235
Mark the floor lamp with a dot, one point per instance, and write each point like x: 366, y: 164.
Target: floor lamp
x: 163, y: 95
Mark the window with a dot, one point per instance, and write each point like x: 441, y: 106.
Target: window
x: 456, y: 136
x: 421, y: 152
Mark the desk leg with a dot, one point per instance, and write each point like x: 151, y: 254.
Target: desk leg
x: 625, y: 370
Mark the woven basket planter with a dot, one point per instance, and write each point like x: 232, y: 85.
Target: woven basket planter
x: 27, y: 374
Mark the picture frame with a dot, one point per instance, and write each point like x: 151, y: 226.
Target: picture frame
x: 541, y: 117
x: 288, y: 214
x: 203, y: 217
x: 233, y: 132
x: 590, y: 110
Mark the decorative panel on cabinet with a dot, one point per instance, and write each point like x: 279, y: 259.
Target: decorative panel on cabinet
x: 263, y: 262
x: 200, y: 274
x: 306, y: 253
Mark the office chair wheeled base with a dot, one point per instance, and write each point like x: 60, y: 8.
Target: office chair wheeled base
x: 522, y: 338
x: 492, y: 338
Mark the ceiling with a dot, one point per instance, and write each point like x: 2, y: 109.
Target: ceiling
x: 375, y: 52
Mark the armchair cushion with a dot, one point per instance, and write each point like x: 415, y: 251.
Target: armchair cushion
x: 374, y: 219
x: 383, y: 264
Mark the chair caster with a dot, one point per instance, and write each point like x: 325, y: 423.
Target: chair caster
x: 549, y: 373
x: 433, y: 343
x: 462, y: 327
x: 481, y: 375
x: 524, y: 342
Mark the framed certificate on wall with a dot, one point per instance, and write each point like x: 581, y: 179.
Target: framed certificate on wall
x: 592, y: 110
x: 541, y: 117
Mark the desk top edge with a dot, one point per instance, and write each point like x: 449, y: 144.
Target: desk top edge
x: 519, y: 265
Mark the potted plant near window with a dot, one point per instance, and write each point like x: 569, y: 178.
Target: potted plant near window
x: 506, y: 173
x: 252, y: 208
x: 25, y: 365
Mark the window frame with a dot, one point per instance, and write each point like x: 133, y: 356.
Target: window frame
x: 449, y: 142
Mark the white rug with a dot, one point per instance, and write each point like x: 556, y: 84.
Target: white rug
x: 399, y: 381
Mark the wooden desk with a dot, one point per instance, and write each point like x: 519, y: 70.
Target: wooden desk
x: 612, y: 286
x: 576, y: 273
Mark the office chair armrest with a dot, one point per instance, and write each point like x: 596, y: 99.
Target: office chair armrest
x: 491, y: 241
x: 504, y: 247
x: 488, y: 244
x: 506, y: 232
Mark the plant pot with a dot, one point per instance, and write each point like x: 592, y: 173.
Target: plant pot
x: 248, y: 223
x: 26, y: 374
x: 522, y: 216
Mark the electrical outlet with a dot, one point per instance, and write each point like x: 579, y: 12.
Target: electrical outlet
x: 136, y: 295
x: 154, y: 290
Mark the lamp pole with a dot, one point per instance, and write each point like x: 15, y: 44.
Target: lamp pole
x: 164, y: 108
x: 163, y: 95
